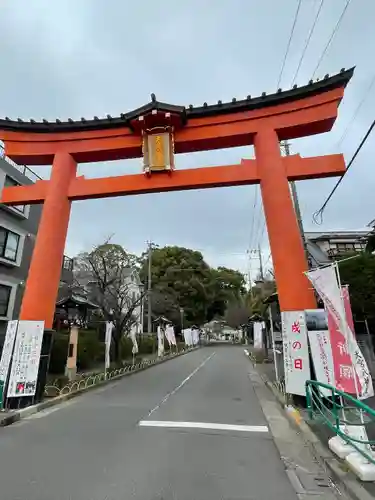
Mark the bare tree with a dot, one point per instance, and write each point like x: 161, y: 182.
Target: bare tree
x: 106, y: 273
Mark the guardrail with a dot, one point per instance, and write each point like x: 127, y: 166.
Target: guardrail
x: 338, y: 410
x: 53, y: 391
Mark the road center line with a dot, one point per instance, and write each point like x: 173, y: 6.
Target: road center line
x: 182, y: 384
x: 203, y: 425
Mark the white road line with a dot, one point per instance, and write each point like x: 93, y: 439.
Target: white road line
x: 182, y: 384
x: 203, y: 425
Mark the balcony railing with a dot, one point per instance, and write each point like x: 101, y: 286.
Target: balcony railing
x: 340, y: 252
x: 26, y: 171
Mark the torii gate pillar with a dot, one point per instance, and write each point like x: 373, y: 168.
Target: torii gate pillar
x: 286, y: 244
x: 39, y: 300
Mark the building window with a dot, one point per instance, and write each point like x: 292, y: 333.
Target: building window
x: 346, y: 247
x: 9, y: 182
x: 5, y: 291
x: 68, y: 263
x: 9, y: 243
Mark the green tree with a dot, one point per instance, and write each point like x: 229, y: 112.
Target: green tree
x: 228, y: 286
x: 182, y: 279
x: 359, y: 274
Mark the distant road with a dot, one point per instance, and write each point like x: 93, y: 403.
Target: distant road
x: 188, y: 429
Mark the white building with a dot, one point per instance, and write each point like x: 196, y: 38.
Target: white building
x: 131, y: 293
x: 325, y: 246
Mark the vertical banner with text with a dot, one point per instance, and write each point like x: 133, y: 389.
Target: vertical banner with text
x: 6, y: 356
x: 296, y: 352
x: 108, y: 339
x: 321, y: 347
x: 26, y: 356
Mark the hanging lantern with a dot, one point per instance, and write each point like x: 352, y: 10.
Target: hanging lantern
x: 158, y: 150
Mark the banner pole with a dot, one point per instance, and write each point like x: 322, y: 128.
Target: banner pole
x: 348, y: 338
x: 273, y: 344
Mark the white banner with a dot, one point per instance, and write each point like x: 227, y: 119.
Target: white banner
x: 187, y: 337
x: 6, y: 355
x: 321, y: 352
x: 325, y: 283
x: 108, y: 339
x: 26, y: 356
x: 258, y: 335
x: 169, y: 334
x: 134, y: 340
x: 296, y: 352
x: 194, y: 336
x: 160, y: 342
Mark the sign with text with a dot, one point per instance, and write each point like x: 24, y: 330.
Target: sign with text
x: 320, y: 345
x: 26, y: 356
x: 6, y: 355
x: 296, y: 352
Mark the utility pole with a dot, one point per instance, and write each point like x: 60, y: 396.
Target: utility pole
x: 297, y: 209
x: 249, y: 273
x: 260, y: 263
x: 149, y: 305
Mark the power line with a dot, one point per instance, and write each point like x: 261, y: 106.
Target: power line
x: 308, y: 41
x: 318, y: 216
x: 289, y: 42
x: 335, y: 29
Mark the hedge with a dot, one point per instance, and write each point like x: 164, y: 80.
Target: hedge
x: 90, y: 351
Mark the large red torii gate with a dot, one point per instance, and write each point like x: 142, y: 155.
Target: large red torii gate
x: 157, y: 130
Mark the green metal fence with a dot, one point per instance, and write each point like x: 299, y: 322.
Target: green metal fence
x: 338, y: 410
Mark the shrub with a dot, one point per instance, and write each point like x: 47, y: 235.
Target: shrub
x: 58, y: 353
x: 147, y: 344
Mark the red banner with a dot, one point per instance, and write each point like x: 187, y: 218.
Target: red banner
x: 342, y: 360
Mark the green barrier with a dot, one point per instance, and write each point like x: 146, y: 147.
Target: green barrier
x: 339, y: 409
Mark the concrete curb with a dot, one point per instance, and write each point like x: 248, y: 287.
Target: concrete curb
x: 323, y: 455
x: 16, y: 416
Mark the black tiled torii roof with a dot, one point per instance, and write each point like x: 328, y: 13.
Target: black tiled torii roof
x: 312, y: 88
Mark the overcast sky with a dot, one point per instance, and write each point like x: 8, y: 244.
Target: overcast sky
x: 74, y: 58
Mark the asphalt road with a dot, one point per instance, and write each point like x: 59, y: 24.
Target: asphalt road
x: 94, y: 448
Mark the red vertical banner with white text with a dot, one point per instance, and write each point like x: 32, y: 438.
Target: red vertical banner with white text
x: 348, y: 362
x: 350, y: 368
x: 296, y: 352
